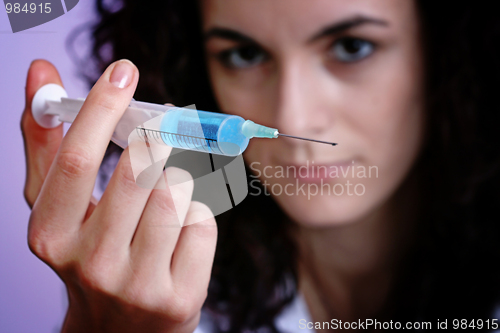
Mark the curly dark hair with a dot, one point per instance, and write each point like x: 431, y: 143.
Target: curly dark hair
x: 452, y: 270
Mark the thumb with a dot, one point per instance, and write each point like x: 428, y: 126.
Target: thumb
x: 40, y: 144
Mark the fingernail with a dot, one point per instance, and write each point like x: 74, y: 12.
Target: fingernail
x: 122, y: 74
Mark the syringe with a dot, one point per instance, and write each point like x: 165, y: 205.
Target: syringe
x: 184, y: 128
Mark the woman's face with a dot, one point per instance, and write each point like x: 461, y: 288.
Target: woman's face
x: 334, y: 70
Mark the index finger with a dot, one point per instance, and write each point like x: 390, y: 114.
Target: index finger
x: 66, y: 192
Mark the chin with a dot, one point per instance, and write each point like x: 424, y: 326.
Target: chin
x: 327, y: 210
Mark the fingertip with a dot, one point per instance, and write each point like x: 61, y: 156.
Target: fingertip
x: 123, y: 63
x: 201, y: 215
x: 127, y: 60
x: 40, y: 73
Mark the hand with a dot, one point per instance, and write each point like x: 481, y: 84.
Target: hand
x: 127, y: 264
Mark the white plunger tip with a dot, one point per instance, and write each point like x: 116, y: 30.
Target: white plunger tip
x: 49, y: 92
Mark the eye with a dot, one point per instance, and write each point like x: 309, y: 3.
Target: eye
x: 350, y: 49
x: 242, y: 57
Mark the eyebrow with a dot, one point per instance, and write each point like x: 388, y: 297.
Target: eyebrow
x: 332, y: 29
x: 342, y: 26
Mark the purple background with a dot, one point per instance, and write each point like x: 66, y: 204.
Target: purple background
x: 32, y: 298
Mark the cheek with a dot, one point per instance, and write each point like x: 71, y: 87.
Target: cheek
x: 387, y: 125
x: 396, y: 143
x: 394, y: 130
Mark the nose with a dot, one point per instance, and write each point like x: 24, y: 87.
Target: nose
x: 300, y: 108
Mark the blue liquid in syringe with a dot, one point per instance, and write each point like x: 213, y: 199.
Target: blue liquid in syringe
x: 203, y: 131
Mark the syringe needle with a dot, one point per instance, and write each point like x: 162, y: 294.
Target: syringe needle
x: 298, y: 137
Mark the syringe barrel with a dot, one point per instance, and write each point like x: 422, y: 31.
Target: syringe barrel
x: 183, y: 128
x: 203, y: 131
